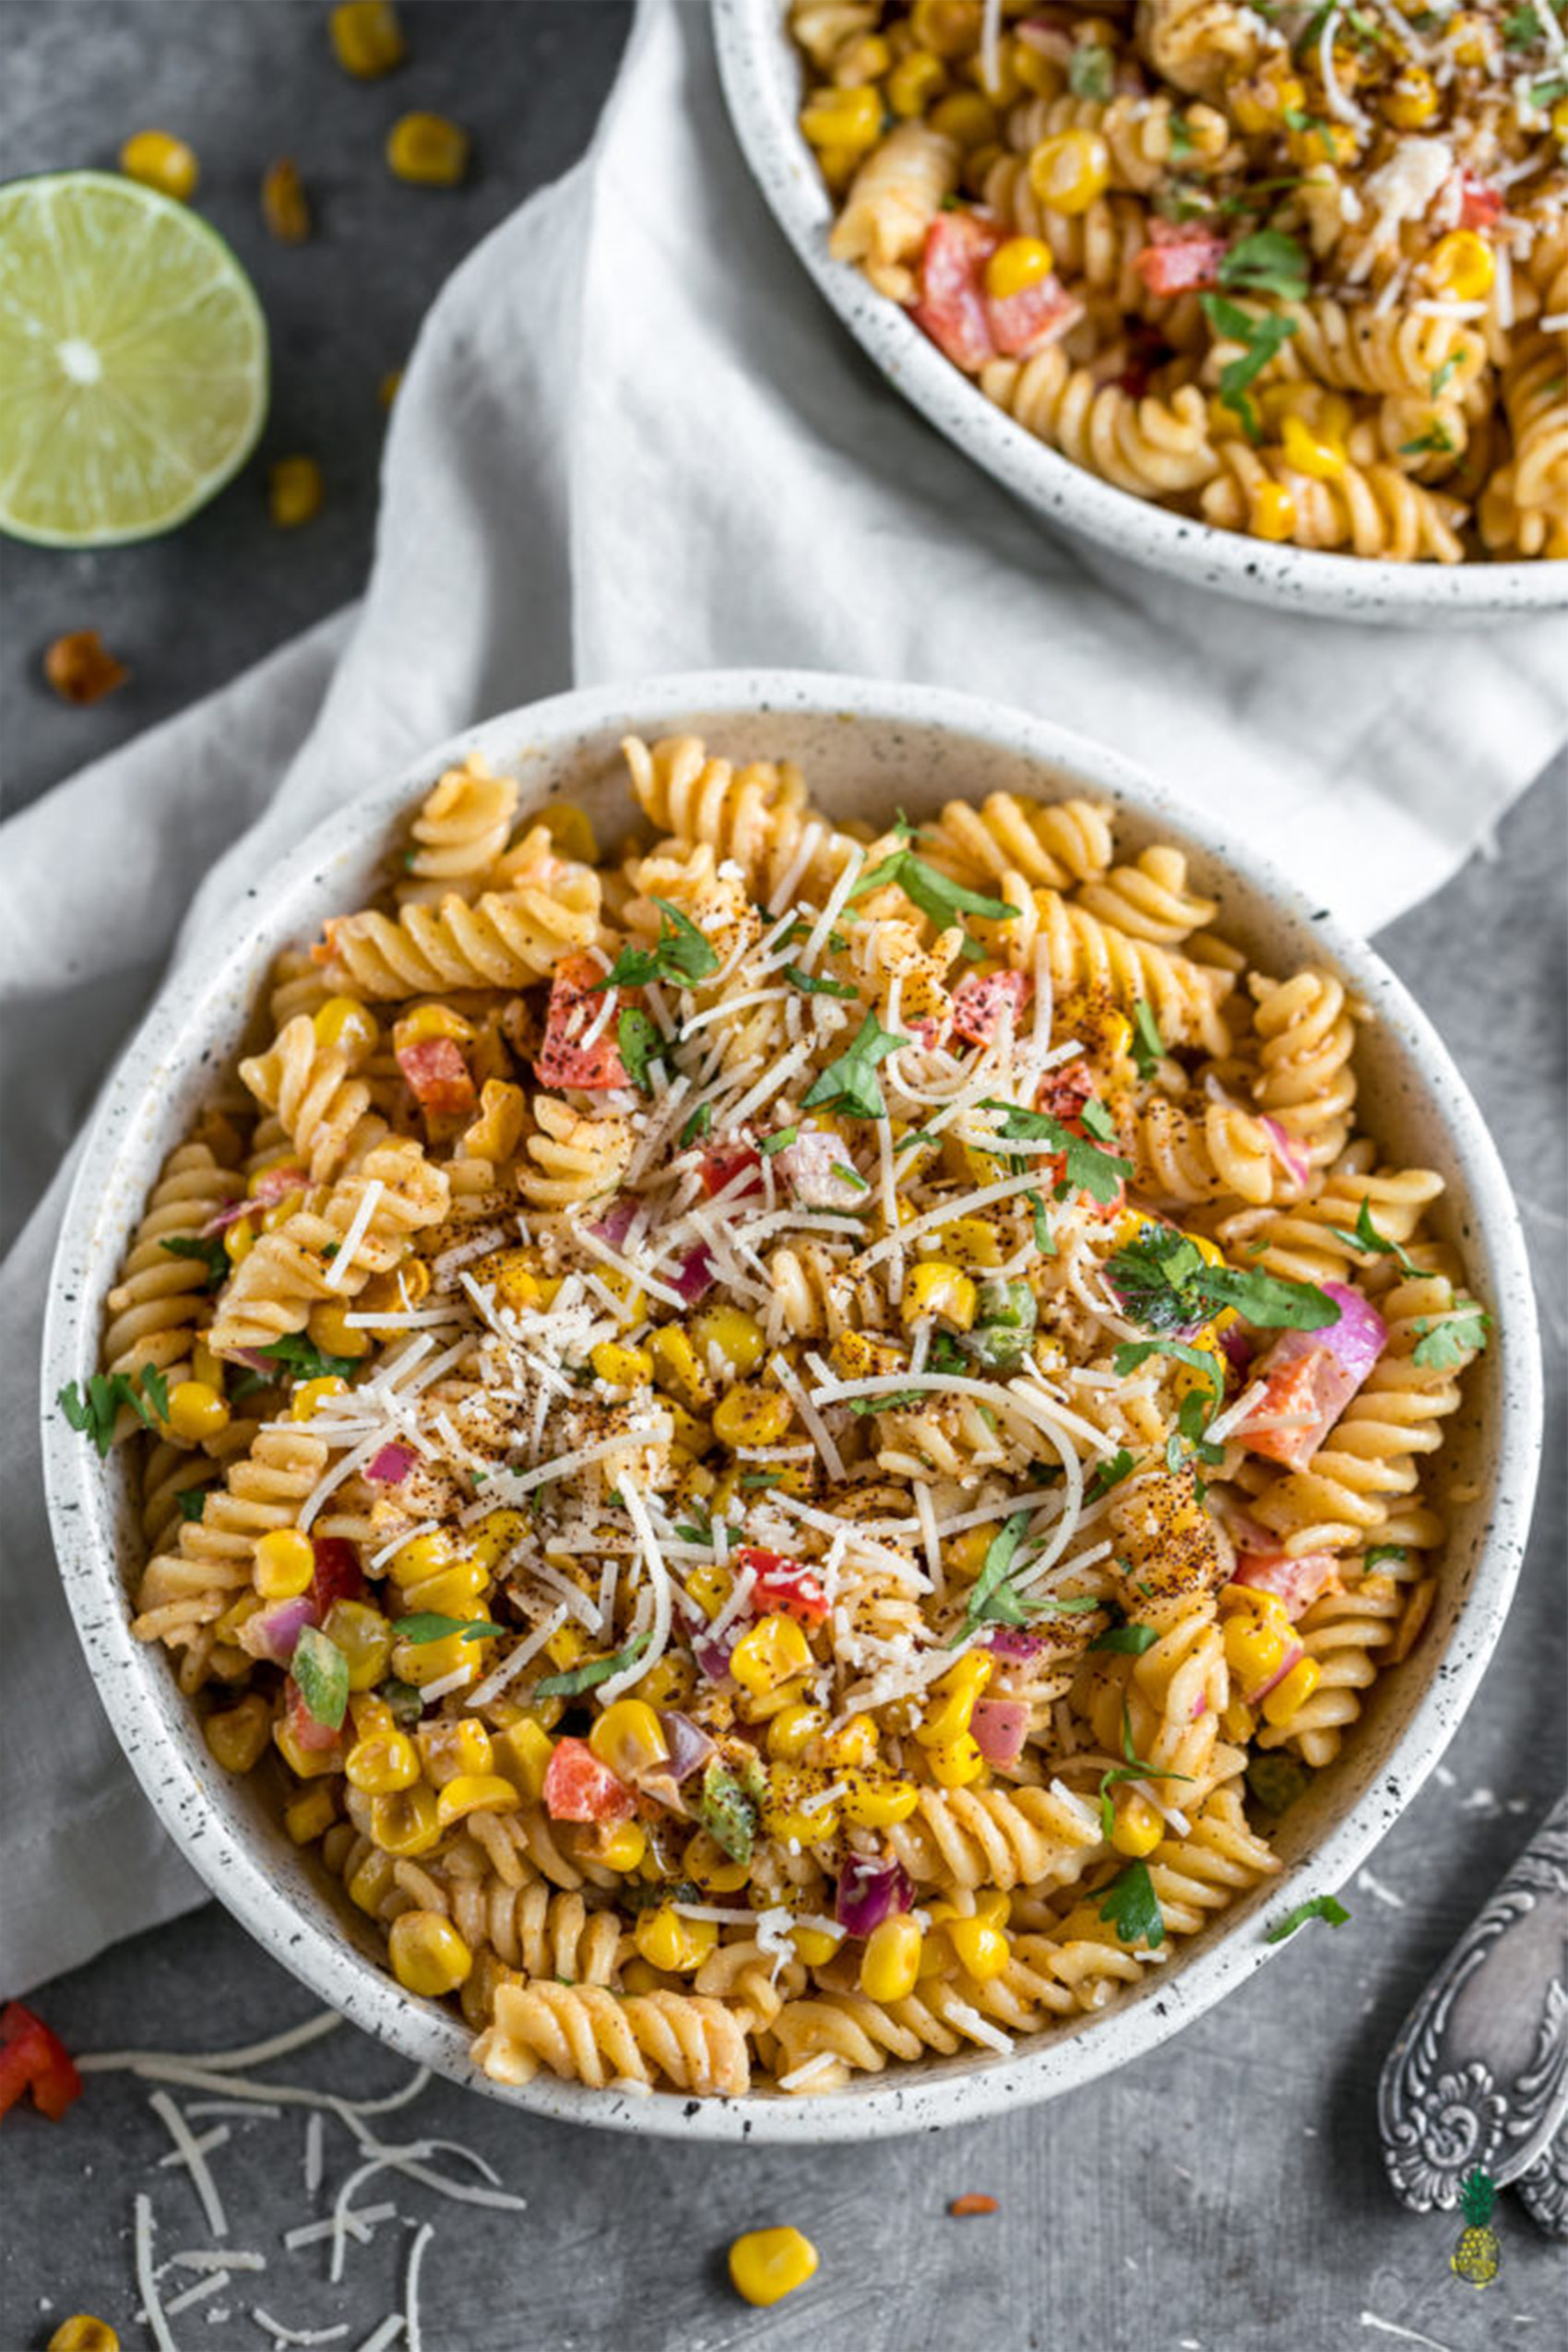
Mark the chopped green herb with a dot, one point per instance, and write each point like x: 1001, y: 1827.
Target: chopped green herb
x: 1108, y: 1474
x: 208, y: 1248
x: 814, y: 984
x: 697, y: 1125
x: 761, y: 1478
x: 1127, y: 1641
x: 95, y: 1414
x: 429, y: 1625
x: 898, y: 1403
x: 1099, y: 1121
x: 1267, y: 262
x: 1148, y: 1046
x: 1435, y: 443
x: 1378, y: 1552
x: 1045, y: 1241
x: 1444, y: 1342
x: 850, y: 1084
x: 1090, y: 70
x: 1261, y: 338
x: 1132, y: 1908
x: 991, y: 1596
x: 1326, y: 1908
x: 405, y: 1699
x: 192, y: 1500
x: 1521, y: 29
x: 1183, y: 142
x: 848, y: 1175
x: 1367, y: 1237
x: 1133, y: 1353
x: 680, y: 955
x: 946, y: 1355
x: 1278, y: 1782
x: 1165, y: 1282
x: 300, y: 1357
x: 781, y: 1140
x: 587, y: 1677
x: 638, y: 1042
x: 694, y: 1534
x: 1087, y: 1168
x: 930, y: 891
x: 1548, y: 92
x: 1441, y: 374
x: 321, y: 1675
x: 728, y: 1809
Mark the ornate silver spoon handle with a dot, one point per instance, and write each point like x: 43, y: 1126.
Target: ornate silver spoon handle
x: 1479, y: 2075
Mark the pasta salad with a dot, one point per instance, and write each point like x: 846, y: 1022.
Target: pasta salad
x: 1299, y: 271
x: 783, y: 1448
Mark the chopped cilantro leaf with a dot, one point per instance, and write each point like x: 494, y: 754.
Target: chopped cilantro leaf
x: 930, y: 891
x: 1441, y: 374
x: 208, y: 1248
x: 1261, y: 339
x: 946, y: 1355
x: 1521, y: 29
x: 1086, y: 1168
x: 850, y: 1084
x: 991, y: 1596
x: 680, y: 955
x: 1090, y: 70
x: 1132, y: 1908
x: 1165, y: 1282
x: 752, y: 1479
x: 1444, y: 1342
x: 781, y: 1140
x: 192, y: 1500
x: 1108, y: 1474
x: 1148, y: 1045
x: 905, y: 1397
x: 595, y: 1670
x: 1367, y: 1237
x: 697, y: 1125
x: 1267, y: 262
x: 1045, y: 1241
x: 95, y: 1414
x: 815, y: 985
x: 1379, y: 1552
x: 297, y: 1355
x: 638, y: 1042
x: 1435, y: 443
x: 1326, y: 1908
x: 1127, y: 1641
x: 429, y: 1625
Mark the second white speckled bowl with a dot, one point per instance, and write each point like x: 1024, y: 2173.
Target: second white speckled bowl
x: 761, y: 72
x: 861, y: 745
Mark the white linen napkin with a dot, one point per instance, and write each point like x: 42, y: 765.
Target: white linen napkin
x: 631, y: 438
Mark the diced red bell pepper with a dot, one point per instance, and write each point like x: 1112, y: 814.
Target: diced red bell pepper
x: 785, y: 1584
x: 339, y: 1575
x: 980, y: 999
x: 315, y: 1738
x: 33, y: 2058
x: 577, y: 1006
x: 1024, y: 323
x: 723, y: 1166
x: 1064, y: 1092
x: 951, y: 305
x: 439, y: 1078
x: 1481, y: 205
x: 1181, y: 257
x: 1309, y: 1377
x: 579, y: 1787
x: 1298, y: 1582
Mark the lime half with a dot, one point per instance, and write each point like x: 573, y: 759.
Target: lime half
x: 133, y: 353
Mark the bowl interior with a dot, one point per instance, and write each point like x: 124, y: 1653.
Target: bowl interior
x: 865, y: 749
x: 761, y: 75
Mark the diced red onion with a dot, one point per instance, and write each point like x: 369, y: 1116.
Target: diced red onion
x: 712, y: 1658
x: 1293, y: 1656
x: 1297, y: 1581
x: 816, y: 1168
x: 272, y: 1633
x: 1287, y: 1151
x: 391, y: 1465
x: 694, y: 1275
x: 1200, y: 1705
x: 1358, y: 1339
x: 688, y: 1743
x: 1238, y: 1345
x: 999, y: 1727
x: 255, y: 1361
x: 871, y: 1891
x: 230, y: 1213
x: 616, y: 1223
x: 1011, y: 1641
x: 275, y: 1184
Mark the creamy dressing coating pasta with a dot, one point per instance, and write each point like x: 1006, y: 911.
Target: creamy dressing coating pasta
x: 1296, y: 270
x: 792, y: 1470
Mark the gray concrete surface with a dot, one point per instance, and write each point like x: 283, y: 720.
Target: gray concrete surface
x: 1222, y: 2197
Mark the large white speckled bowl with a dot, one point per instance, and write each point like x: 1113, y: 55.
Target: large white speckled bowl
x: 864, y: 746
x: 761, y: 75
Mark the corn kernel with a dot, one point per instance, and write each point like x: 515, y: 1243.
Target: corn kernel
x: 676, y: 1367
x: 752, y: 1416
x: 404, y: 1822
x: 1138, y: 1826
x: 981, y: 1948
x: 791, y: 1731
x: 239, y: 1238
x: 629, y: 1738
x: 1017, y: 264
x: 1461, y: 266
x: 382, y: 1764
x: 1238, y: 1721
x: 284, y: 204
x: 916, y: 81
x: 331, y: 1332
x: 792, y: 1806
x: 1469, y: 38
x: 367, y: 40
x: 305, y: 1764
x: 948, y: 28
x: 853, y: 1746
x: 474, y: 1792
x: 1252, y: 1651
x: 369, y: 1884
x: 964, y: 1556
x: 311, y: 1815
x: 279, y: 1212
x: 197, y: 1410
x: 843, y: 119
x: 623, y: 1367
x: 937, y: 1288
x: 238, y: 1737
x: 427, y: 151
x: 523, y: 1751
x: 667, y: 1940
x: 1292, y: 1691
x: 967, y: 117
x: 424, y: 1024
x: 423, y: 1556
x: 957, y: 1763
x: 620, y: 1846
x: 285, y: 1565
x: 813, y: 1946
x: 450, y: 1751
x: 1412, y: 100
x: 733, y: 1335
x: 312, y: 1393
x: 891, y: 1961
x: 570, y: 830
x: 423, y: 1662
x: 771, y: 1652
x: 1271, y: 510
x: 1311, y: 453
x: 1069, y: 170
x: 877, y: 1801
x: 1558, y: 118
x: 161, y: 160
x: 971, y: 1240
x: 705, y: 1862
x: 947, y: 1716
x: 767, y: 2265
x: 453, y: 1593
x: 566, y: 1648
x: 81, y: 2332
x: 428, y: 1955
x: 295, y: 492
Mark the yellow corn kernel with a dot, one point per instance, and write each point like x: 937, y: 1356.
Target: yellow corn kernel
x: 351, y: 1025
x: 981, y: 1948
x: 567, y: 1647
x: 382, y: 1763
x: 667, y: 1940
x: 403, y: 1822
x: 1252, y: 1651
x: 239, y: 1240
x: 428, y: 1955
x: 767, y: 2265
x: 1138, y: 1826
x: 1557, y: 117
x: 1461, y: 266
x: 277, y: 1213
x: 854, y: 1355
x: 1238, y: 1721
x: 523, y: 1751
x: 937, y: 1288
x: 370, y: 1882
x: 305, y: 1764
x: 853, y: 1745
x: 1069, y: 170
x: 813, y: 1946
x: 161, y: 160
x: 295, y: 492
x: 631, y: 1302
x: 1271, y: 510
x: 239, y: 1613
x: 791, y: 1731
x: 669, y: 1682
x: 422, y: 1024
x: 285, y: 1563
x: 197, y: 1410
x: 499, y: 1532
x: 621, y: 1367
x: 367, y: 40
x: 1469, y: 38
x: 752, y: 1416
x: 312, y: 1393
x: 423, y: 1662
x: 891, y: 1961
x: 629, y: 1738
x: 1324, y: 143
x: 842, y: 119
x: 956, y: 1762
x: 454, y: 1751
x: 1252, y: 1600
x: 207, y: 1365
x: 571, y: 831
x: 616, y: 1846
x: 875, y: 1801
x: 311, y: 1815
x: 964, y: 1556
x: 916, y: 81
x: 733, y: 1335
x: 82, y: 2333
x: 330, y: 1330
x: 427, y: 151
x: 452, y: 1593
x: 952, y: 1703
x: 676, y: 1367
x: 967, y: 118
x: 1311, y: 453
x: 474, y: 1792
x: 946, y: 27
x: 1292, y: 1691
x: 791, y: 1808
x: 239, y: 1736
x: 363, y: 1636
x: 968, y: 1240
x: 1016, y: 265
x: 1412, y: 100
x: 771, y: 1652
x: 423, y: 1556
x: 709, y: 1867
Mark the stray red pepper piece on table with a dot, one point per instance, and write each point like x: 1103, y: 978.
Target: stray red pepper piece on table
x: 33, y: 2058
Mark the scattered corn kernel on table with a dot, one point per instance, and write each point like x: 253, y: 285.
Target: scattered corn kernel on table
x: 1225, y: 2195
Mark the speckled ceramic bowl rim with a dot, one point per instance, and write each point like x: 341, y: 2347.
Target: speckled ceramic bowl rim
x: 760, y: 72
x: 138, y: 1689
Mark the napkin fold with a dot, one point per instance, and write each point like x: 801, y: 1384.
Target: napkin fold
x: 631, y: 439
